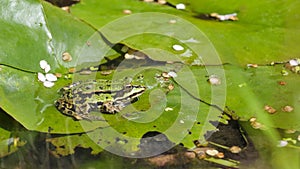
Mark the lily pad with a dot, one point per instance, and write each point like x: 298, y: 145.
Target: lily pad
x: 35, y: 107
x: 259, y: 87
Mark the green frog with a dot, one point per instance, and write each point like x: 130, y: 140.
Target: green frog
x: 105, y: 96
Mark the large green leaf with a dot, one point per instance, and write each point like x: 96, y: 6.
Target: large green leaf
x: 266, y: 30
x: 260, y: 36
x: 250, y: 90
x: 31, y: 104
x: 40, y: 32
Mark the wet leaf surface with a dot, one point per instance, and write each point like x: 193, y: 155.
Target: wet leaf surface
x: 33, y: 31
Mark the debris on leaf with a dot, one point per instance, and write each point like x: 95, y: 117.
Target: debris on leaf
x: 282, y: 143
x: 66, y: 57
x: 227, y: 17
x: 287, y: 109
x: 72, y: 70
x: 292, y: 65
x: 294, y: 62
x: 270, y: 109
x: 127, y: 11
x: 255, y: 124
x: 172, y: 74
x: 162, y: 2
x: 58, y: 75
x: 169, y: 74
x: 171, y: 87
x: 180, y: 6
x: 178, y: 47
x: 165, y: 75
x: 282, y: 83
x: 252, y: 65
x: 66, y: 8
x: 214, y: 80
x: 168, y: 109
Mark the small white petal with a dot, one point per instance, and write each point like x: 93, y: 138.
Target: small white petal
x: 293, y: 62
x: 47, y: 68
x: 180, y: 6
x: 48, y: 84
x: 168, y: 109
x: 43, y: 64
x: 51, y: 77
x: 177, y: 47
x: 214, y: 80
x: 41, y: 77
x: 172, y: 74
x: 181, y: 121
x: 282, y: 143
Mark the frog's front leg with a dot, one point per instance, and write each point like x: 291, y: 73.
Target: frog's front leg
x: 109, y: 107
